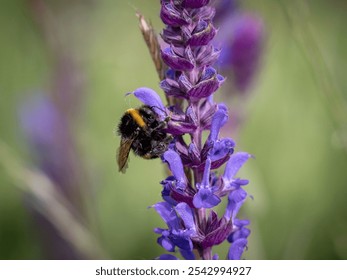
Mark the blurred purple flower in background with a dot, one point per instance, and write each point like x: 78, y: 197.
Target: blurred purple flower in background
x: 241, y: 37
x: 47, y: 121
x: 47, y: 133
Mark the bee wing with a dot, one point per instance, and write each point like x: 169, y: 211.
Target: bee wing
x: 123, y: 153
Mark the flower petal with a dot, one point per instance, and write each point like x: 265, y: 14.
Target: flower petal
x: 194, y: 154
x: 235, y: 199
x: 186, y: 214
x: 175, y: 164
x: 166, y: 243
x: 218, y: 120
x: 170, y: 15
x: 182, y: 240
x: 208, y: 85
x: 203, y: 34
x: 237, y: 248
x: 175, y: 61
x: 207, y: 55
x: 205, y: 183
x: 238, y: 234
x: 167, y: 257
x: 151, y: 98
x: 205, y: 198
x: 171, y: 87
x: 217, y: 236
x: 188, y: 255
x: 168, y: 184
x: 195, y: 3
x: 221, y: 149
x: 234, y: 164
x: 166, y: 212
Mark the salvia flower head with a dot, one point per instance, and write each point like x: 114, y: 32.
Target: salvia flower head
x: 194, y: 188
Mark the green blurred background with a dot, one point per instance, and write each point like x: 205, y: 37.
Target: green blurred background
x: 294, y: 127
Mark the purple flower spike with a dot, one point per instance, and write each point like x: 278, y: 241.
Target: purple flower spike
x: 151, y: 98
x: 193, y: 190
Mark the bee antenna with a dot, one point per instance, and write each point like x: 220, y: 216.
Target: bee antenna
x: 127, y: 100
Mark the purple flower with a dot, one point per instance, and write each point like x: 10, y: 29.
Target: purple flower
x: 205, y: 197
x: 237, y: 248
x: 152, y: 99
x: 225, y: 9
x: 180, y: 223
x: 50, y: 141
x: 241, y: 38
x: 46, y: 130
x: 178, y: 58
x: 176, y: 167
x: 193, y: 189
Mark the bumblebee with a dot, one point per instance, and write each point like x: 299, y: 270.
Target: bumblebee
x: 141, y: 131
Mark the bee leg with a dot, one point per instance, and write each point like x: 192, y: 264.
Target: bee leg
x: 168, y: 139
x: 161, y: 125
x: 148, y: 156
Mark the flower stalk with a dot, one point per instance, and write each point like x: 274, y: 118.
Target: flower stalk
x: 195, y: 188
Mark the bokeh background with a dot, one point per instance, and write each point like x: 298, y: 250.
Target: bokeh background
x: 84, y: 55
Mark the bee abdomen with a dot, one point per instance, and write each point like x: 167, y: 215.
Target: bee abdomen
x: 127, y: 126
